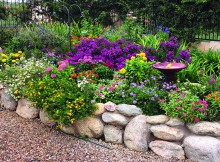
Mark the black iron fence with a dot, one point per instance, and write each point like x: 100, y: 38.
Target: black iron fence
x: 15, y: 13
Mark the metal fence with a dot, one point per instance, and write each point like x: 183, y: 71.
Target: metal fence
x: 15, y: 13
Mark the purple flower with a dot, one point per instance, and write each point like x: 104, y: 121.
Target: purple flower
x: 53, y: 75
x: 133, y: 85
x: 132, y: 94
x: 134, y: 102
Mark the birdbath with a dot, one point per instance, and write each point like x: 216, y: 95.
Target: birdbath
x: 169, y: 69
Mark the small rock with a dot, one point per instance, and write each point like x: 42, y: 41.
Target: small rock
x: 110, y: 106
x: 114, y: 119
x: 7, y: 101
x: 137, y: 134
x: 175, y: 122
x: 100, y: 109
x: 129, y: 110
x: 205, y: 128
x: 46, y: 119
x: 167, y: 149
x: 167, y: 133
x: 202, y: 148
x: 89, y: 127
x: 157, y: 119
x: 26, y: 110
x: 113, y: 134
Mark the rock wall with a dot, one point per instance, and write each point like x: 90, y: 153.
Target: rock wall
x: 126, y: 124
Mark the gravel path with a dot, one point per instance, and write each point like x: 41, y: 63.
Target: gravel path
x: 30, y: 141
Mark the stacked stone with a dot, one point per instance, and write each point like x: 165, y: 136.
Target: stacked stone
x: 126, y: 124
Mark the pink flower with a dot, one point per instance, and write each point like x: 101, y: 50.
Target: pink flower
x: 110, y: 89
x: 200, y: 109
x: 205, y: 113
x: 196, y: 120
x: 50, y: 53
x: 100, y: 87
x: 43, y: 75
x: 193, y: 108
x: 53, y: 75
x: 102, y: 96
x: 162, y: 100
x: 178, y: 108
x: 206, y: 106
x: 49, y: 69
x: 62, y: 66
x: 182, y: 95
x: 177, y: 100
x: 184, y: 114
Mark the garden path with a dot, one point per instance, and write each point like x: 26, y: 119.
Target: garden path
x: 29, y: 140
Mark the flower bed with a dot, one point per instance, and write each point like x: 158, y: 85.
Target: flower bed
x: 126, y: 124
x: 67, y: 89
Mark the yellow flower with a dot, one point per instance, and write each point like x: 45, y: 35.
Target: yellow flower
x: 141, y: 61
x: 38, y: 93
x: 69, y: 114
x: 16, y: 55
x: 13, y: 61
x: 16, y: 91
x: 22, y: 58
x: 20, y: 52
x: 4, y: 55
x: 144, y: 58
x: 72, y: 120
x: 132, y: 58
x: 4, y: 60
x: 61, y: 126
x: 11, y: 54
x: 122, y: 71
x: 6, y: 66
x: 142, y: 54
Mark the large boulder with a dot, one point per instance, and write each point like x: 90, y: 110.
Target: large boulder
x: 89, y: 127
x: 202, y: 148
x: 137, y: 134
x: 113, y: 134
x: 114, y: 119
x: 129, y: 110
x: 167, y: 149
x: 157, y: 119
x: 167, y: 133
x: 7, y: 101
x: 26, y: 110
x: 46, y: 119
x: 205, y: 128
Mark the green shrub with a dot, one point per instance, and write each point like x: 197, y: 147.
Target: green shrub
x: 35, y: 39
x: 57, y: 93
x: 184, y: 105
x: 6, y: 34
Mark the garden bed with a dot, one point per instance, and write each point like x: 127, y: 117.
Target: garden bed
x: 126, y: 125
